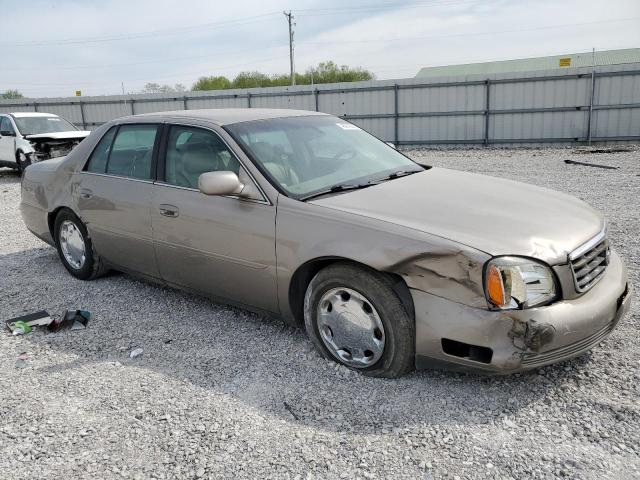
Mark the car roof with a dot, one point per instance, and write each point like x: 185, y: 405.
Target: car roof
x: 227, y: 116
x: 31, y: 114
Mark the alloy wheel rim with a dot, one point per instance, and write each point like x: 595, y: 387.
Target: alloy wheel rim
x: 72, y: 244
x: 350, y: 327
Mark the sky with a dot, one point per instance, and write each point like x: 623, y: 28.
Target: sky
x: 53, y: 48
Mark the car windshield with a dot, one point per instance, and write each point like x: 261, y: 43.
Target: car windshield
x: 310, y: 155
x: 49, y: 124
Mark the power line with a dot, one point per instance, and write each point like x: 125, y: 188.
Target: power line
x: 229, y: 23
x: 397, y: 39
x: 381, y: 5
x: 377, y: 8
x: 493, y: 32
x: 144, y: 62
x: 136, y: 35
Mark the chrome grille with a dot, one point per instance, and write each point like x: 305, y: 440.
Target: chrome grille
x: 589, y: 262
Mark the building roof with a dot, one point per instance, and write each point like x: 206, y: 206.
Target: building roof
x: 227, y: 116
x: 605, y: 57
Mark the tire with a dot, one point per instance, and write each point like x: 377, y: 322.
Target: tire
x: 92, y: 266
x: 361, y: 285
x: 22, y: 161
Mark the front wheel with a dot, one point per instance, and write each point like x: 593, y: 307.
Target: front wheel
x: 75, y: 247
x: 22, y: 161
x: 353, y: 316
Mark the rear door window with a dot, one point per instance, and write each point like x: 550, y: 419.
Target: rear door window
x: 132, y: 151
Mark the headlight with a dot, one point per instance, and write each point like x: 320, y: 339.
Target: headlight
x: 517, y: 283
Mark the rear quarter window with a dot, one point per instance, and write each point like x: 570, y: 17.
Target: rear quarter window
x: 98, y: 160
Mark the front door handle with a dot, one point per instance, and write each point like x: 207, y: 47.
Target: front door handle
x: 86, y: 193
x: 169, y: 210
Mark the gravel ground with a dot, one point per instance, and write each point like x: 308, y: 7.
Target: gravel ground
x: 220, y: 392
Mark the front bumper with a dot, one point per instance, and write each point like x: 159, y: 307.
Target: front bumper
x: 509, y: 341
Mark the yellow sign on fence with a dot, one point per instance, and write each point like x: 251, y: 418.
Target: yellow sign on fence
x: 565, y: 62
x: 78, y: 93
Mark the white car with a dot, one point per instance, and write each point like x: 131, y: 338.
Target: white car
x: 29, y: 137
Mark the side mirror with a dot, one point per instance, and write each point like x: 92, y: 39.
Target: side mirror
x: 227, y: 183
x: 219, y: 183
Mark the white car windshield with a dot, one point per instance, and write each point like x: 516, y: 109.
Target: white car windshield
x: 309, y: 155
x: 49, y: 124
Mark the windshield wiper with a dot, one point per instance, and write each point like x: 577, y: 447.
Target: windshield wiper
x: 398, y: 174
x: 340, y: 187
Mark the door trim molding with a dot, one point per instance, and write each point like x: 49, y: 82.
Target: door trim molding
x: 224, y: 258
x: 234, y: 197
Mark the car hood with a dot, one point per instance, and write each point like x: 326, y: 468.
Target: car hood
x: 58, y: 135
x: 494, y: 215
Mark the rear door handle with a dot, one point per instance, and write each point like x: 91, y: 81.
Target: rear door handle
x: 169, y: 210
x: 86, y: 193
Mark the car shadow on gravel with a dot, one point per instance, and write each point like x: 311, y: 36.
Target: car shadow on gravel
x: 8, y: 175
x: 258, y: 362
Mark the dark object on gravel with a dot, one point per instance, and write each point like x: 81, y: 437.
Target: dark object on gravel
x: 575, y: 162
x: 71, y: 320
x: 290, y: 410
x: 27, y: 322
x: 604, y: 150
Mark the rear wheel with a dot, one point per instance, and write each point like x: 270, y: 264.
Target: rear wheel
x: 75, y: 247
x: 353, y: 316
x: 22, y: 161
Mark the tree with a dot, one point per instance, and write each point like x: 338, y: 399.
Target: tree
x: 11, y: 94
x: 325, y: 72
x: 251, y: 79
x: 212, y: 83
x: 329, y: 72
x: 157, y: 88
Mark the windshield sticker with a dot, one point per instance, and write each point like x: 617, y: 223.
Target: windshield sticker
x: 347, y: 126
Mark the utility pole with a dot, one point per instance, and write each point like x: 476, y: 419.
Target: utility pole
x: 291, y: 24
x: 593, y: 92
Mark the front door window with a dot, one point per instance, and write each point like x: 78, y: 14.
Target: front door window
x: 194, y: 151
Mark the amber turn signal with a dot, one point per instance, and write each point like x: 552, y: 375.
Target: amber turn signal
x: 495, y: 287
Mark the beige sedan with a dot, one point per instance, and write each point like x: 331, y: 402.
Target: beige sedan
x: 389, y: 265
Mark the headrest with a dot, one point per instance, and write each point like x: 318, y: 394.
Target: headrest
x: 264, y: 151
x: 199, y: 158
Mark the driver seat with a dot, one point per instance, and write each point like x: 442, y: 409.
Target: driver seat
x: 280, y: 170
x: 197, y: 158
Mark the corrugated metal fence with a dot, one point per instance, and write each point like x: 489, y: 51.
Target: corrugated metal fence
x: 566, y: 107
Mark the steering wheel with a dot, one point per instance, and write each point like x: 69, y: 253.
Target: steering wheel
x: 346, y: 154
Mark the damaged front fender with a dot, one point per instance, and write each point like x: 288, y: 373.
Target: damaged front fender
x: 25, y: 146
x: 452, y: 272
x: 425, y: 262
